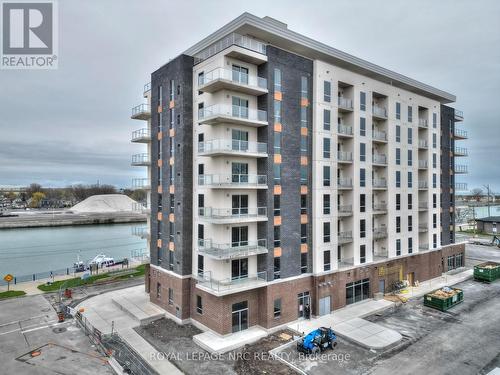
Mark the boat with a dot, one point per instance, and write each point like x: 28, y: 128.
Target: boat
x: 102, y: 261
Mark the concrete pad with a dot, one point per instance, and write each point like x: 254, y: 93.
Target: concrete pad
x: 214, y: 343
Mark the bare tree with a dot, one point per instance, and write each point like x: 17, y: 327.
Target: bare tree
x: 477, y: 194
x: 33, y: 188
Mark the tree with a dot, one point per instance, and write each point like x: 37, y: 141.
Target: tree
x: 138, y: 195
x: 36, y: 199
x: 33, y: 188
x: 476, y: 194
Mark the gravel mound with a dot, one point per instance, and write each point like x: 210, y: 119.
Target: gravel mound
x: 105, y: 203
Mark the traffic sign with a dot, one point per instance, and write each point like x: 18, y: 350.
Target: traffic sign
x: 8, y: 278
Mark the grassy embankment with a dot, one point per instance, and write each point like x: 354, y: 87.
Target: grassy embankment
x: 11, y: 294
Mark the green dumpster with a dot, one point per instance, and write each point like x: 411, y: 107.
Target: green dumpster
x: 489, y: 271
x: 444, y: 298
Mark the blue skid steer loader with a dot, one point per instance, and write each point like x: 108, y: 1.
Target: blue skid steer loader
x: 318, y: 340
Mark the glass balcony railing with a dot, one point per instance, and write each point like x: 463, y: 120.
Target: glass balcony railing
x: 461, y: 186
x: 141, y: 183
x: 423, y: 247
x: 233, y: 76
x: 345, y: 183
x: 232, y: 111
x: 459, y: 133
x: 232, y: 250
x: 345, y: 209
x: 234, y: 180
x: 147, y: 88
x: 232, y: 213
x: 345, y: 103
x: 422, y: 164
x: 379, y: 159
x: 379, y: 111
x: 462, y: 169
x: 423, y: 123
x: 461, y: 151
x: 423, y: 206
x: 141, y: 111
x: 422, y: 143
x: 379, y: 183
x: 344, y: 237
x: 141, y: 135
x: 379, y: 233
x: 345, y: 156
x: 379, y: 136
x: 230, y: 40
x: 206, y: 280
x: 423, y: 185
x: 232, y: 146
x: 344, y: 130
x: 140, y: 159
x: 422, y: 228
x: 379, y: 207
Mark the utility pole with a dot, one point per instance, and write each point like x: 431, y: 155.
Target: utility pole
x: 488, y: 198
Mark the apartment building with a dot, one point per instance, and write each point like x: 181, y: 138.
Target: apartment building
x: 287, y: 173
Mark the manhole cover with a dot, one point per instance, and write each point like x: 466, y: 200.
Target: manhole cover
x: 59, y: 330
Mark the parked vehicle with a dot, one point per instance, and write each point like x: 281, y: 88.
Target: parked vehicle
x: 317, y: 341
x: 102, y: 261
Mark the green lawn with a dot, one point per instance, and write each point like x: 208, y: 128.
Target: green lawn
x: 75, y: 282
x: 11, y: 294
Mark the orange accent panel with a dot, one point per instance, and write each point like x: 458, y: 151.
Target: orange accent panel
x: 303, y: 160
x: 160, y: 162
x: 171, y: 246
x: 277, y: 158
x: 160, y: 216
x: 158, y: 242
x: 171, y: 132
x: 278, y: 96
x: 277, y: 220
x: 171, y: 161
x: 303, y: 131
x: 160, y: 109
x: 160, y: 189
x: 171, y: 218
x: 303, y: 190
x: 160, y: 135
x: 277, y: 252
x: 278, y: 127
x: 303, y: 219
x: 304, y: 102
x: 277, y: 190
x: 171, y: 104
x: 171, y: 189
x: 303, y: 248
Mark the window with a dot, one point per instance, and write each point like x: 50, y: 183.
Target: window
x: 303, y: 233
x: 303, y: 117
x: 170, y: 296
x: 410, y: 158
x: 326, y: 175
x: 303, y: 174
x: 239, y: 269
x: 158, y: 290
x: 277, y: 236
x: 398, y: 179
x: 410, y: 180
x: 326, y: 204
x: 410, y: 245
x: 239, y: 107
x: 362, y: 126
x: 172, y: 89
x: 304, y: 87
x: 277, y: 143
x: 410, y: 223
x: 362, y: 253
x: 326, y: 119
x: 277, y: 112
x: 434, y: 180
x: 398, y: 133
x: 277, y: 173
x: 434, y: 221
x: 362, y: 101
x: 326, y: 148
x: 434, y: 240
x: 398, y: 224
x: 434, y: 161
x: 303, y: 262
x: 199, y: 305
x: 362, y: 203
x: 277, y: 268
x: 398, y: 247
x: 277, y: 205
x: 303, y: 145
x: 171, y: 259
x: 410, y: 203
x: 326, y: 232
x: 326, y: 260
x: 362, y: 177
x: 410, y: 136
x: 200, y: 265
x: 398, y: 156
x: 434, y: 120
x: 434, y: 201
x: 362, y: 152
x: 362, y: 228
x: 277, y: 308
x: 303, y: 204
x: 410, y: 114
x: 434, y: 140
x: 398, y: 111
x: 201, y: 78
x: 277, y: 80
x: 357, y: 291
x: 398, y: 202
x: 327, y: 88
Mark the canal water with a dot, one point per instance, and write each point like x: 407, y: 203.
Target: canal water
x: 26, y: 251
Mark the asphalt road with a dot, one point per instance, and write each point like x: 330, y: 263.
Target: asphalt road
x: 30, y: 323
x: 475, y: 254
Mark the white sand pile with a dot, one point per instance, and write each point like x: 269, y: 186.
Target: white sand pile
x: 105, y: 203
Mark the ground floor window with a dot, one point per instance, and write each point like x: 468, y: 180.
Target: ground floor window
x: 357, y: 291
x: 455, y: 261
x: 304, y: 301
x: 277, y: 308
x: 240, y: 316
x: 199, y: 305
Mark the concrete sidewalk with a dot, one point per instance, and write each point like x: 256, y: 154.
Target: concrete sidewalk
x: 126, y: 309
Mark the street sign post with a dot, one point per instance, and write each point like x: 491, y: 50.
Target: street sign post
x: 8, y: 278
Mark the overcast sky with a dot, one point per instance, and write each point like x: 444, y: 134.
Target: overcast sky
x: 73, y: 125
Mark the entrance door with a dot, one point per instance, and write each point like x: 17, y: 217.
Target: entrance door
x: 239, y: 269
x: 239, y: 140
x: 303, y: 301
x: 239, y: 172
x: 240, y: 316
x: 239, y: 236
x: 381, y: 286
x: 239, y: 205
x: 240, y: 74
x: 240, y: 107
x: 324, y: 305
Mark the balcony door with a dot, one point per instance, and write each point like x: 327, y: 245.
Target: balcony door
x: 239, y: 316
x: 240, y: 74
x: 240, y: 107
x: 239, y: 140
x: 240, y: 205
x: 239, y: 236
x: 239, y: 269
x: 239, y: 172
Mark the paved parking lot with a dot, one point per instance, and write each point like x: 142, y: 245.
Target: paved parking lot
x: 30, y: 323
x: 464, y: 340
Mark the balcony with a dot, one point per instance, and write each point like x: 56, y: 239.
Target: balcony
x: 141, y: 207
x: 379, y: 233
x: 140, y: 160
x: 141, y: 183
x: 422, y: 144
x: 379, y: 160
x: 423, y: 247
x: 142, y: 232
x: 233, y: 215
x: 461, y: 186
x: 379, y: 112
x: 460, y: 151
x: 141, y: 112
x: 380, y: 255
x: 344, y: 210
x: 423, y: 206
x: 423, y: 185
x: 423, y: 123
x: 220, y: 79
x: 231, y: 250
x: 344, y: 183
x: 379, y: 136
x: 231, y: 285
x: 345, y: 104
x: 344, y: 131
x: 459, y: 115
x: 346, y: 263
x: 235, y: 181
x: 344, y: 237
x: 379, y: 208
x: 459, y: 134
x: 460, y: 169
x: 379, y: 183
x: 344, y: 157
x: 147, y: 89
x: 141, y: 136
x: 233, y: 114
x: 423, y: 228
x: 422, y: 164
x: 219, y: 147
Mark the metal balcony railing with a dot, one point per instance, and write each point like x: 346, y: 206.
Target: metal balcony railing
x: 379, y: 183
x: 461, y: 151
x: 423, y: 247
x: 232, y: 146
x: 142, y: 232
x: 233, y: 111
x: 379, y: 207
x: 422, y: 143
x: 141, y: 183
x: 234, y: 77
x: 345, y: 209
x: 379, y: 233
x: 423, y: 123
x: 140, y: 207
x: 232, y: 250
x: 232, y: 213
x: 460, y: 186
x: 460, y: 168
x: 344, y: 183
x: 229, y: 40
x: 422, y: 164
x: 345, y: 237
x: 234, y: 180
x: 459, y: 115
x: 344, y: 156
x: 141, y: 111
x: 379, y: 135
x: 346, y: 262
x: 344, y: 130
x: 379, y: 111
x: 147, y: 88
x: 345, y: 103
x: 141, y: 135
x: 459, y: 133
x: 379, y: 159
x: 140, y: 159
x: 423, y: 185
x: 423, y: 227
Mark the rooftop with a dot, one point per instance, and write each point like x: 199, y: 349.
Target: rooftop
x: 492, y: 219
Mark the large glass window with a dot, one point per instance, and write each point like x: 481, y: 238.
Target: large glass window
x: 326, y: 232
x: 362, y: 177
x: 362, y: 152
x: 326, y: 119
x: 362, y: 101
x: 327, y: 86
x: 357, y: 291
x: 277, y: 80
x: 362, y: 126
x: 326, y: 260
x: 326, y: 175
x: 398, y: 110
x: 240, y: 316
x: 326, y: 148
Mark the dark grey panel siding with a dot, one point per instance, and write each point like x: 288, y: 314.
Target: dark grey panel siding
x: 447, y: 178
